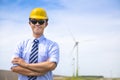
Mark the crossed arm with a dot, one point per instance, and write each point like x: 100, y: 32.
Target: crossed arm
x: 34, y: 69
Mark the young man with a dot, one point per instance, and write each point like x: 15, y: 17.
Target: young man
x: 35, y: 58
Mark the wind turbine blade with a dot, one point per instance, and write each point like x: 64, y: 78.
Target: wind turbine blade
x: 74, y: 47
x: 72, y: 35
x: 89, y: 40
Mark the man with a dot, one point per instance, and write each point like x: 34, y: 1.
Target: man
x: 35, y: 58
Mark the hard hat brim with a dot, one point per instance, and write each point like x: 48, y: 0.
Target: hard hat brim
x: 38, y: 17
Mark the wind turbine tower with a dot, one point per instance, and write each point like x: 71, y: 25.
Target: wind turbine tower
x: 77, y: 61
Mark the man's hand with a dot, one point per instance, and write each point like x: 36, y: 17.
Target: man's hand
x: 27, y: 72
x: 42, y: 67
x: 19, y: 61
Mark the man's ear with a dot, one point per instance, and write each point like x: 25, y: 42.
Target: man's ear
x: 46, y: 24
x: 29, y: 23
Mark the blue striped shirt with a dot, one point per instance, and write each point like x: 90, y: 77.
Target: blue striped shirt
x: 47, y: 50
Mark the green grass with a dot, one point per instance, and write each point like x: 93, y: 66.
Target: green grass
x: 88, y: 78
x: 82, y: 78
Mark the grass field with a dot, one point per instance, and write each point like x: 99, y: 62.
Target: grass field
x: 84, y: 78
x: 87, y: 78
x: 8, y: 75
x: 81, y: 78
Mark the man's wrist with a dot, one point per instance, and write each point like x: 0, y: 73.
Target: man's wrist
x: 26, y: 65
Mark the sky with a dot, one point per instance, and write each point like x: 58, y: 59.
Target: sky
x: 95, y: 24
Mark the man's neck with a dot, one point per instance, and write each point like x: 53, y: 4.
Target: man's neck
x: 37, y: 36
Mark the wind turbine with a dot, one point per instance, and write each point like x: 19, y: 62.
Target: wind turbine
x: 75, y: 60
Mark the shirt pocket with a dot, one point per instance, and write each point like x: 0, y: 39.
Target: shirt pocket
x: 42, y: 56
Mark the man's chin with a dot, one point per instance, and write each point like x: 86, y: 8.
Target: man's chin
x: 37, y: 33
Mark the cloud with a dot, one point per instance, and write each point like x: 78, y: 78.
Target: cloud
x: 90, y: 6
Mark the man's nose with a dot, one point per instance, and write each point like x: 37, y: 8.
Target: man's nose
x: 37, y: 23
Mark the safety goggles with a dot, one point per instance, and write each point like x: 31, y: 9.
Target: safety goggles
x: 34, y: 21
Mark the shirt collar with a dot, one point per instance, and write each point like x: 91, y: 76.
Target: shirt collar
x: 40, y: 38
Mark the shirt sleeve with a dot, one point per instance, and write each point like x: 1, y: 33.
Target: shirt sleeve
x: 54, y: 53
x: 17, y: 53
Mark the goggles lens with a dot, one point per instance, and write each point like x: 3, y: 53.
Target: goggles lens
x: 34, y: 21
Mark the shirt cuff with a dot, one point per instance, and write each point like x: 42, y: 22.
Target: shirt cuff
x: 53, y: 60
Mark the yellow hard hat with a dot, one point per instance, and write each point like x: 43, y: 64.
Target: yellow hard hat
x: 38, y: 13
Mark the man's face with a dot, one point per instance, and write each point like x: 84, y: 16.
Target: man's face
x: 38, y: 26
